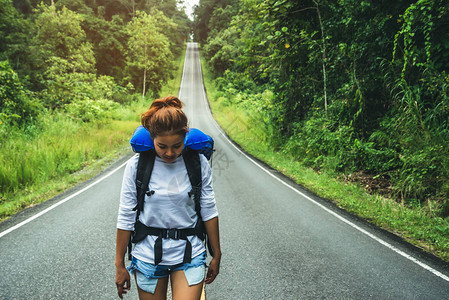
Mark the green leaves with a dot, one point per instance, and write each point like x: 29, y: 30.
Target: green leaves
x: 149, y: 59
x: 380, y: 66
x: 417, y: 19
x: 88, y: 110
x: 17, y: 105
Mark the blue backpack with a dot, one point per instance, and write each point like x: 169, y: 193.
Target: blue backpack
x: 195, y: 140
x: 196, y: 143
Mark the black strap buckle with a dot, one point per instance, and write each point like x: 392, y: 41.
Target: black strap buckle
x: 195, y: 191
x: 171, y: 234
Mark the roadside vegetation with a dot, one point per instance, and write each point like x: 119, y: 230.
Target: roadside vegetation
x: 348, y: 98
x: 74, y: 79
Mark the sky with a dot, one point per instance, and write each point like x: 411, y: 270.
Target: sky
x: 189, y: 7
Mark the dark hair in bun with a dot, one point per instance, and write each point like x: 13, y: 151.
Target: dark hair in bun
x: 165, y: 116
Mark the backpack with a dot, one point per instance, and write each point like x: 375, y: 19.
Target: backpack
x: 196, y: 143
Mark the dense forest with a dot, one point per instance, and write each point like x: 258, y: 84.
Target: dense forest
x: 62, y: 54
x: 69, y: 69
x: 349, y: 87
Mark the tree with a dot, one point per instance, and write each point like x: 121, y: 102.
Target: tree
x: 109, y: 43
x: 59, y: 34
x: 17, y: 105
x: 202, y: 14
x: 65, y: 53
x: 15, y: 36
x: 149, y: 59
x: 169, y: 28
x: 223, y: 45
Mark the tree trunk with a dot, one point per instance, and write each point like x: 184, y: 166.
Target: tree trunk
x: 144, y: 81
x: 323, y: 52
x: 144, y: 68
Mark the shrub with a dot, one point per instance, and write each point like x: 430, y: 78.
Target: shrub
x: 17, y: 105
x: 91, y: 110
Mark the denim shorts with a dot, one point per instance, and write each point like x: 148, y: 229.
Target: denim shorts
x: 148, y: 274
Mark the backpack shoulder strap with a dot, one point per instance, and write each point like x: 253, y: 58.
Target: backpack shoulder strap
x: 193, y: 165
x: 144, y: 169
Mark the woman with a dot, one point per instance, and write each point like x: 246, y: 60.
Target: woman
x: 168, y: 206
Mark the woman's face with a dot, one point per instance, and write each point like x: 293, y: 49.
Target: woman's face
x: 169, y: 146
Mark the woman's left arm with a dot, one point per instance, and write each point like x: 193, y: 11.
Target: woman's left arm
x: 214, y: 239
x: 209, y: 213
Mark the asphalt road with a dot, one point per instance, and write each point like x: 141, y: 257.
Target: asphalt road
x: 278, y: 240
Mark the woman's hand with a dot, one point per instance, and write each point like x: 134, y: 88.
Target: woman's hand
x: 122, y: 281
x: 214, y: 269
x: 214, y: 239
x: 122, y: 278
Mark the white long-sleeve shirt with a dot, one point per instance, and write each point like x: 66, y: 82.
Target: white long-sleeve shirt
x: 169, y: 207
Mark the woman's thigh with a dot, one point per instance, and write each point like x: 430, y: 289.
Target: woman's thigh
x: 160, y: 293
x: 181, y: 290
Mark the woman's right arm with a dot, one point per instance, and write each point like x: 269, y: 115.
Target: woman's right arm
x: 125, y: 225
x: 122, y: 278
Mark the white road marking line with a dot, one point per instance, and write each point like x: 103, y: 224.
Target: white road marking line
x: 182, y: 78
x: 191, y: 89
x: 60, y: 202
x: 377, y: 239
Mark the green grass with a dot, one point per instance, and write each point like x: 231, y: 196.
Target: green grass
x: 415, y: 225
x: 35, y: 168
x: 60, y: 152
